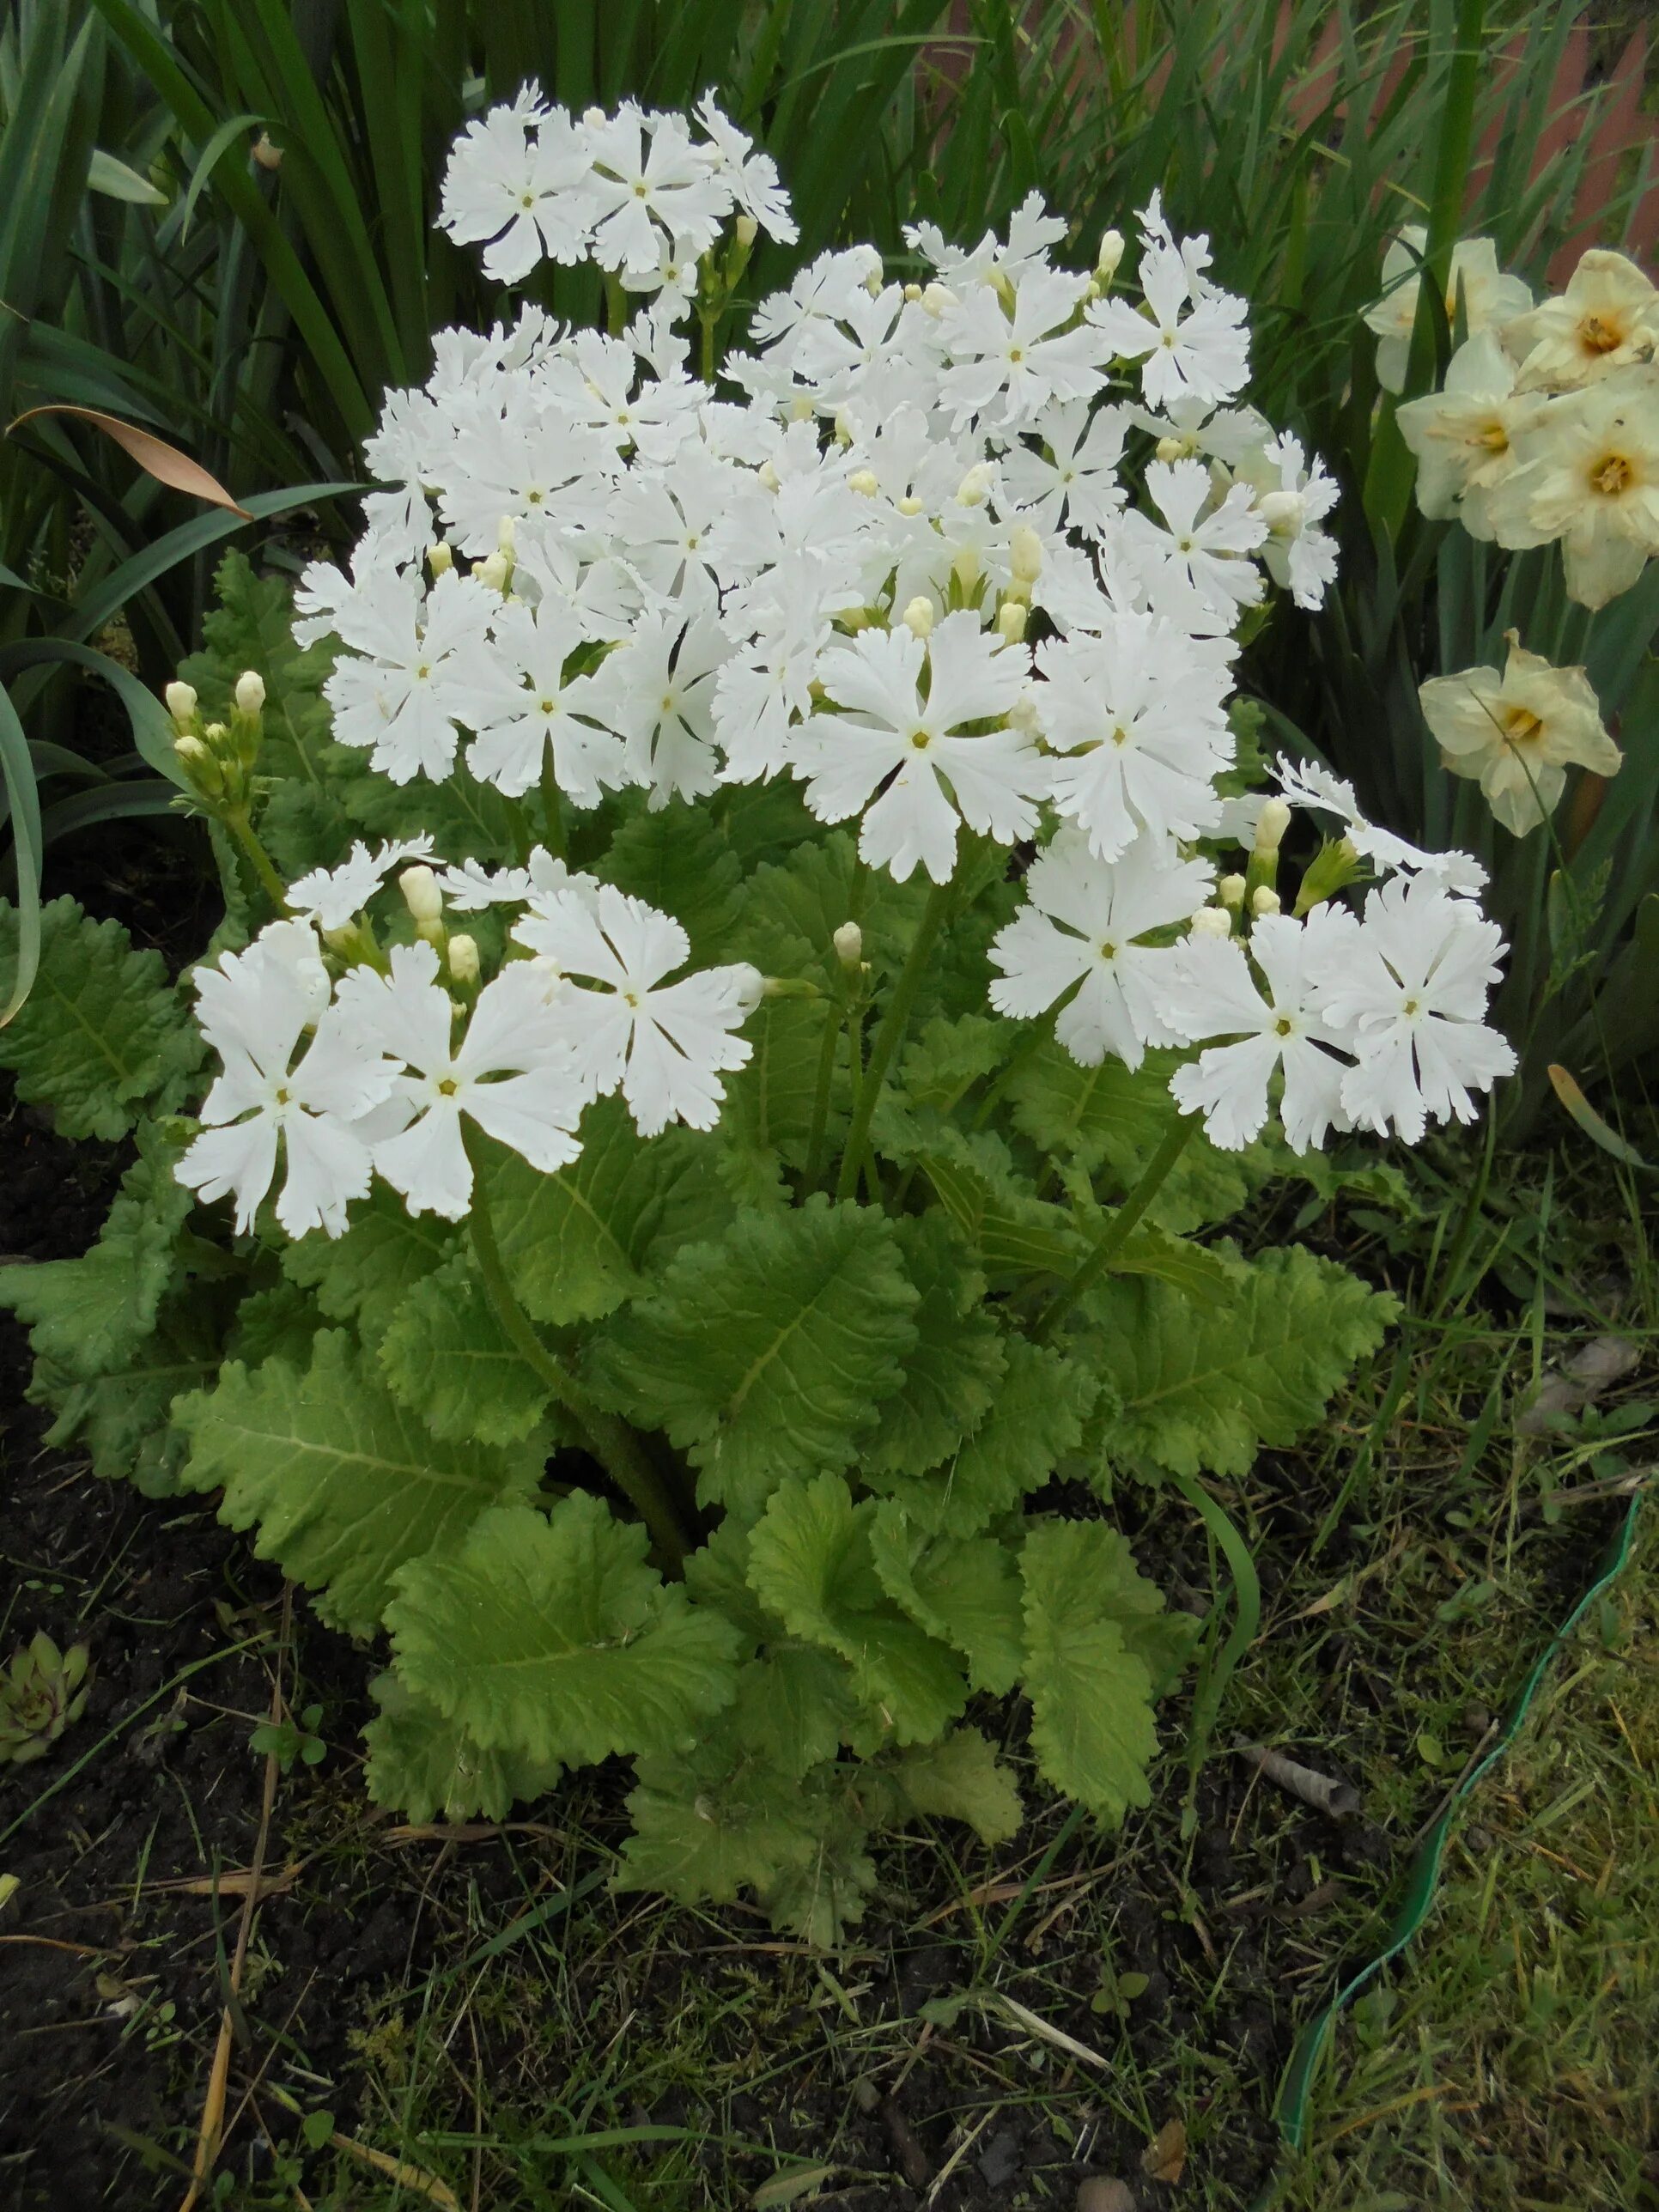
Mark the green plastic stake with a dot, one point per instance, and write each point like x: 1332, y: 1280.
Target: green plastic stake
x: 1425, y: 1877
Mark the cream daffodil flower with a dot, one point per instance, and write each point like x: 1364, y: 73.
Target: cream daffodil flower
x: 1463, y: 436
x: 1590, y: 475
x: 1518, y: 732
x: 1490, y: 296
x: 1607, y: 317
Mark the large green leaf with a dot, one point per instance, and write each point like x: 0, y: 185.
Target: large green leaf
x: 102, y: 1033
x: 429, y: 1768
x: 446, y: 1354
x: 952, y: 1376
x: 122, y: 1417
x: 964, y: 1590
x: 366, y: 1275
x: 1092, y: 1696
x: 343, y: 1484
x: 1205, y: 1386
x: 548, y: 1636
x: 767, y: 1354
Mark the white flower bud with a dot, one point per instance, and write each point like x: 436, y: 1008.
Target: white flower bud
x: 1264, y: 899
x: 439, y: 558
x: 849, y: 941
x: 800, y: 408
x: 1011, y: 622
x: 1110, y: 253
x: 464, y: 960
x: 1212, y: 921
x: 1281, y: 511
x: 767, y: 475
x: 747, y: 230
x: 912, y: 293
x: 1272, y: 823
x: 181, y: 704
x: 918, y: 617
x: 507, y: 534
x: 1025, y: 554
x: 493, y: 570
x: 843, y: 427
x: 1231, y: 891
x: 937, y: 300
x: 193, y: 755
x: 594, y: 118
x: 751, y: 986
x: 865, y: 481
x: 217, y: 735
x: 872, y: 284
x: 972, y: 491
x: 965, y: 567
x: 1023, y: 715
x: 421, y: 893
x: 250, y: 691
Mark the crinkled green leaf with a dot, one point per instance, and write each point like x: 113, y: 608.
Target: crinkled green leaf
x: 767, y: 1116
x: 123, y: 1418
x: 810, y: 1561
x: 821, y: 1896
x: 944, y: 1061
x: 796, y: 1705
x: 962, y: 1589
x: 428, y: 1768
x: 960, y: 1778
x: 549, y: 1635
x: 792, y: 910
x: 280, y: 1322
x: 678, y: 862
x: 250, y: 625
x: 576, y: 1243
x: 952, y: 1376
x: 720, y: 1820
x: 1207, y: 1387
x: 446, y: 1354
x: 1193, y: 1269
x: 102, y: 1033
x: 767, y: 1354
x: 364, y: 1275
x: 975, y: 1180
x: 1036, y: 1419
x: 1092, y: 1695
x: 344, y: 1485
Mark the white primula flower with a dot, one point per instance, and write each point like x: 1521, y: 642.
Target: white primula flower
x: 1464, y: 435
x: 1206, y: 550
x: 1607, y: 318
x: 648, y: 177
x: 518, y: 178
x: 1192, y: 342
x: 254, y: 1008
x: 330, y: 896
x: 425, y: 657
x: 657, y: 692
x: 510, y: 1072
x: 1411, y: 987
x: 1588, y: 473
x: 917, y: 751
x: 663, y: 1044
x: 1519, y: 733
x: 1081, y: 931
x: 1293, y: 497
x: 1005, y: 369
x: 529, y: 708
x: 1308, y: 783
x: 1491, y: 299
x: 1075, y: 480
x: 1139, y: 723
x: 751, y: 178
x: 1217, y: 995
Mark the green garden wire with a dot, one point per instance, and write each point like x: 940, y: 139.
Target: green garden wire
x: 1425, y: 1876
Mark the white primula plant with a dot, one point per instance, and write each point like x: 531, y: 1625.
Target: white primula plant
x: 749, y: 883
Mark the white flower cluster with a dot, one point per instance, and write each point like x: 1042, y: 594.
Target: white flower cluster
x: 966, y: 554
x: 1547, y: 427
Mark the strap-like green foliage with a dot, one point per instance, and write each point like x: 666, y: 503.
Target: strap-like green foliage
x: 345, y: 1484
x: 550, y: 1634
x: 874, y: 1419
x: 769, y: 1353
x: 1205, y: 1385
x: 102, y: 1033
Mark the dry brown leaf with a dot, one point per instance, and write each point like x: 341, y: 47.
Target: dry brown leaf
x: 425, y: 2185
x: 1164, y: 2158
x: 154, y: 455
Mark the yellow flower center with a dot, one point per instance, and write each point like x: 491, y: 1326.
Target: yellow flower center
x: 1521, y: 727
x: 1016, y: 353
x: 1597, y: 335
x: 1495, y: 438
x: 447, y: 1087
x: 1109, y: 952
x: 1283, y: 1028
x: 919, y: 740
x: 1611, y: 475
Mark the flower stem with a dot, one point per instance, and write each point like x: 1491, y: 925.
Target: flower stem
x: 834, y: 1016
x: 241, y: 829
x: 552, y: 812
x: 1116, y: 1232
x: 616, y: 305
x: 894, y: 1023
x: 609, y: 1440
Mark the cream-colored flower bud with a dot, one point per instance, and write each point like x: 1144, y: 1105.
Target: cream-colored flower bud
x: 439, y: 558
x: 972, y: 491
x: 1011, y: 622
x: 747, y: 231
x: 918, y: 618
x: 1110, y: 255
x: 594, y: 118
x: 843, y: 427
x: 800, y: 408
x: 864, y: 481
x: 912, y: 292
x: 1230, y: 890
x: 910, y: 504
x: 937, y: 300
x: 768, y: 476
x: 267, y: 155
x: 181, y: 704
x: 750, y: 986
x: 966, y: 568
x: 1264, y: 899
x: 194, y: 758
x: 421, y: 893
x: 1271, y: 824
x: 1023, y: 715
x: 1171, y: 449
x: 1212, y: 921
x: 849, y: 941
x: 250, y: 691
x: 1281, y: 511
x: 494, y: 569
x: 506, y: 535
x: 217, y: 735
x: 1025, y: 554
x: 463, y: 956
x: 872, y: 284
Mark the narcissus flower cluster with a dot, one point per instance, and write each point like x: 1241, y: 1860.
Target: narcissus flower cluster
x: 962, y: 556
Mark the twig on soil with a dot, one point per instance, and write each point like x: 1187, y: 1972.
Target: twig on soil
x: 1319, y: 1790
